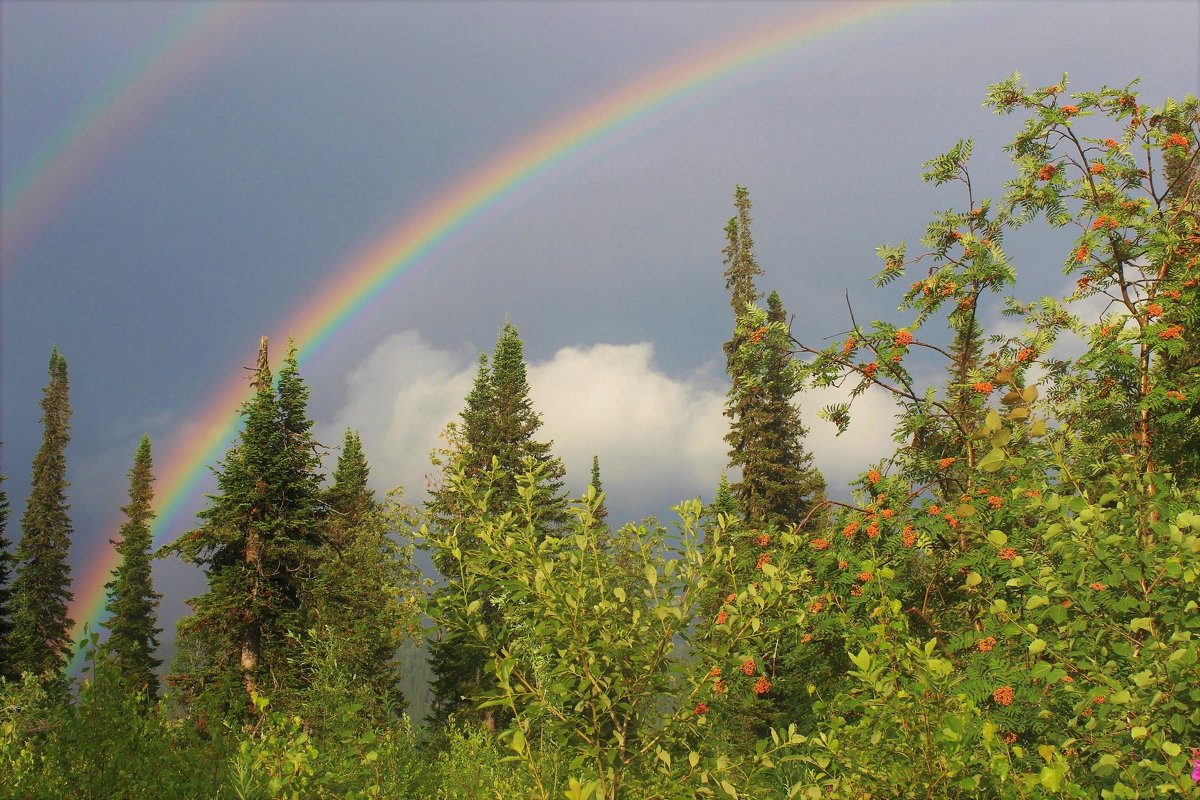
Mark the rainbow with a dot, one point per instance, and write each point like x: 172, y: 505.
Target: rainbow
x: 73, y: 153
x: 362, y: 278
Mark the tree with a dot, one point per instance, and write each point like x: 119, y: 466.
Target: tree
x: 6, y: 574
x: 1013, y: 629
x: 257, y: 545
x: 778, y: 483
x: 496, y: 436
x: 40, y: 639
x: 132, y: 602
x: 601, y: 513
x: 362, y: 597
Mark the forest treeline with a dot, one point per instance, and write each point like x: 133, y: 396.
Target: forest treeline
x: 1006, y: 606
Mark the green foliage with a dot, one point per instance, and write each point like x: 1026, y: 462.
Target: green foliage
x: 364, y: 595
x: 1015, y: 595
x: 497, y: 435
x: 1006, y: 607
x: 591, y: 675
x: 132, y: 601
x: 258, y: 545
x: 40, y: 637
x: 6, y: 574
x: 778, y: 483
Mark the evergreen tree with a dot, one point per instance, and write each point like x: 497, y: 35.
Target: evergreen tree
x: 132, y: 601
x: 6, y: 574
x: 779, y: 484
x: 40, y: 639
x: 257, y: 545
x: 498, y: 428
x: 601, y: 513
x: 514, y: 424
x: 363, y: 580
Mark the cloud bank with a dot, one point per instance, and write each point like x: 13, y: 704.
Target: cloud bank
x: 659, y: 437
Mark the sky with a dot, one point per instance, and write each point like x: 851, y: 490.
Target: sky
x: 180, y: 179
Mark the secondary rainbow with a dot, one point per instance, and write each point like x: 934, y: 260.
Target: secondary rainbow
x: 65, y: 161
x: 359, y: 280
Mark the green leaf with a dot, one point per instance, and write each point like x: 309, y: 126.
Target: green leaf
x: 517, y: 742
x: 1037, y: 646
x: 651, y: 575
x: 1171, y: 749
x: 862, y: 660
x: 1139, y: 732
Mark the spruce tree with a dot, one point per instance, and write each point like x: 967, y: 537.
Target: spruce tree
x: 779, y: 483
x: 257, y: 545
x: 515, y: 424
x: 132, y: 602
x: 601, y: 514
x: 40, y: 639
x: 498, y: 428
x: 6, y: 574
x: 363, y: 579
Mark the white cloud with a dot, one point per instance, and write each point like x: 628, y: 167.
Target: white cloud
x: 659, y: 437
x: 843, y: 458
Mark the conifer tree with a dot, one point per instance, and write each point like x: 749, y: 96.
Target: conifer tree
x: 514, y: 424
x: 257, y: 545
x: 363, y: 577
x: 779, y: 484
x: 6, y: 574
x: 498, y: 427
x: 40, y: 638
x: 132, y: 601
x: 601, y: 513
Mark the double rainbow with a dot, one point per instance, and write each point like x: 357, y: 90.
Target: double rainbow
x: 355, y: 282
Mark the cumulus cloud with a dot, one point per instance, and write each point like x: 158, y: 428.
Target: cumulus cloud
x: 659, y: 437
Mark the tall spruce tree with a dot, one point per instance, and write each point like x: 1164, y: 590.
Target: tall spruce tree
x: 778, y: 483
x: 132, y: 602
x: 499, y: 426
x: 257, y: 545
x: 6, y: 575
x: 515, y: 424
x: 40, y: 638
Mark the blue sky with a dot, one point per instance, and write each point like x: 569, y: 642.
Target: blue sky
x: 321, y: 125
